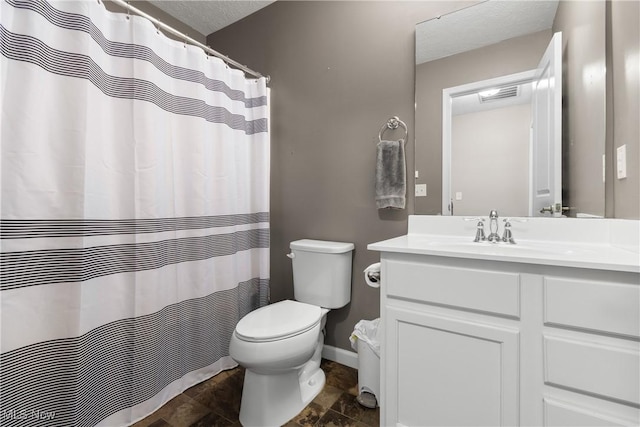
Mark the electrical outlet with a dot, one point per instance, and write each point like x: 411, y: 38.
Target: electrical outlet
x: 421, y: 190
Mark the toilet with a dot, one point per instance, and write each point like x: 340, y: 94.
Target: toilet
x: 280, y: 345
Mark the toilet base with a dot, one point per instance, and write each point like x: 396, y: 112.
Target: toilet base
x: 272, y: 400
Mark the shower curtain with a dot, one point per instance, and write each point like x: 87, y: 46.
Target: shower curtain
x: 134, y: 214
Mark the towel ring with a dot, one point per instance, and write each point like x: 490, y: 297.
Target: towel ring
x: 393, y: 123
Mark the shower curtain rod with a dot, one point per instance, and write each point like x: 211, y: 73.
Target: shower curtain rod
x: 186, y: 38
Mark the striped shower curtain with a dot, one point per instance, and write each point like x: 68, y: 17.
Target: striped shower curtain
x: 134, y: 214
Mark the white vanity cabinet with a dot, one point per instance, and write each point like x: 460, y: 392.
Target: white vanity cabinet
x: 446, y: 366
x: 478, y: 342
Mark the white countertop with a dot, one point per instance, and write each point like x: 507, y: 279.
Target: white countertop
x: 579, y: 243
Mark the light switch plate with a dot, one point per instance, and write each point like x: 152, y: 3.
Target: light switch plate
x: 621, y: 161
x: 421, y: 190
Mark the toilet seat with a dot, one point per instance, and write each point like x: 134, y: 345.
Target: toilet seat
x: 278, y: 321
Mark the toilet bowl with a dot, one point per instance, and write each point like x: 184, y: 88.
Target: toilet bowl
x: 280, y: 345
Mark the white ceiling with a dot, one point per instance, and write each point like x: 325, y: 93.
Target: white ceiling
x: 207, y: 17
x: 481, y: 25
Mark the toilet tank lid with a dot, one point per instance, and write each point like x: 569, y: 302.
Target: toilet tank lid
x: 323, y: 246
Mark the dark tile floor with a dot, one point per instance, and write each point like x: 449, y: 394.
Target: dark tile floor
x: 216, y: 402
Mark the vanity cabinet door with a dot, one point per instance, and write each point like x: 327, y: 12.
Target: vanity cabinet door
x: 443, y: 370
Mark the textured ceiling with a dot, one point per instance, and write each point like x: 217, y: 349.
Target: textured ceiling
x: 209, y: 16
x: 481, y: 25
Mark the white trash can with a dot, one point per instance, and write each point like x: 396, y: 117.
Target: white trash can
x: 364, y: 340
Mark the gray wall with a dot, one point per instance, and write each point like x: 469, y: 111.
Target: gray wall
x: 508, y: 57
x: 624, y: 31
x: 585, y: 27
x: 339, y: 70
x: 583, y: 104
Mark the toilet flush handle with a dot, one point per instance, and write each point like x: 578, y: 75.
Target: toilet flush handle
x: 291, y: 255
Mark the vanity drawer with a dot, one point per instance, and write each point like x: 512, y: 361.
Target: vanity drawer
x: 610, y: 370
x: 471, y: 289
x: 568, y: 414
x: 591, y: 305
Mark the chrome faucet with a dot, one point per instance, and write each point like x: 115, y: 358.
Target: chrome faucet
x: 507, y: 235
x: 493, y: 227
x: 480, y: 237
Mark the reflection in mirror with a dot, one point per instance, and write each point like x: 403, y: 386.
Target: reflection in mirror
x: 478, y: 110
x: 525, y: 131
x: 493, y: 39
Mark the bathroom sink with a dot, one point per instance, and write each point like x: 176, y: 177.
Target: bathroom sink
x: 594, y: 244
x: 524, y: 248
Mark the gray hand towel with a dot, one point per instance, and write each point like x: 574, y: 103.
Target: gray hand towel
x: 391, y: 175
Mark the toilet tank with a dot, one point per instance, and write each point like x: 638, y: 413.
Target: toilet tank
x: 322, y: 272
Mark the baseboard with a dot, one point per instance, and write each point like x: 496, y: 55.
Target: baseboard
x: 339, y: 355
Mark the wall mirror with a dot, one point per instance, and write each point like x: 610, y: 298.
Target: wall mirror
x: 488, y: 153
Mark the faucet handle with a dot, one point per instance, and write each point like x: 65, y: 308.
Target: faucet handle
x: 480, y: 237
x: 514, y: 220
x: 507, y: 235
x: 475, y: 218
